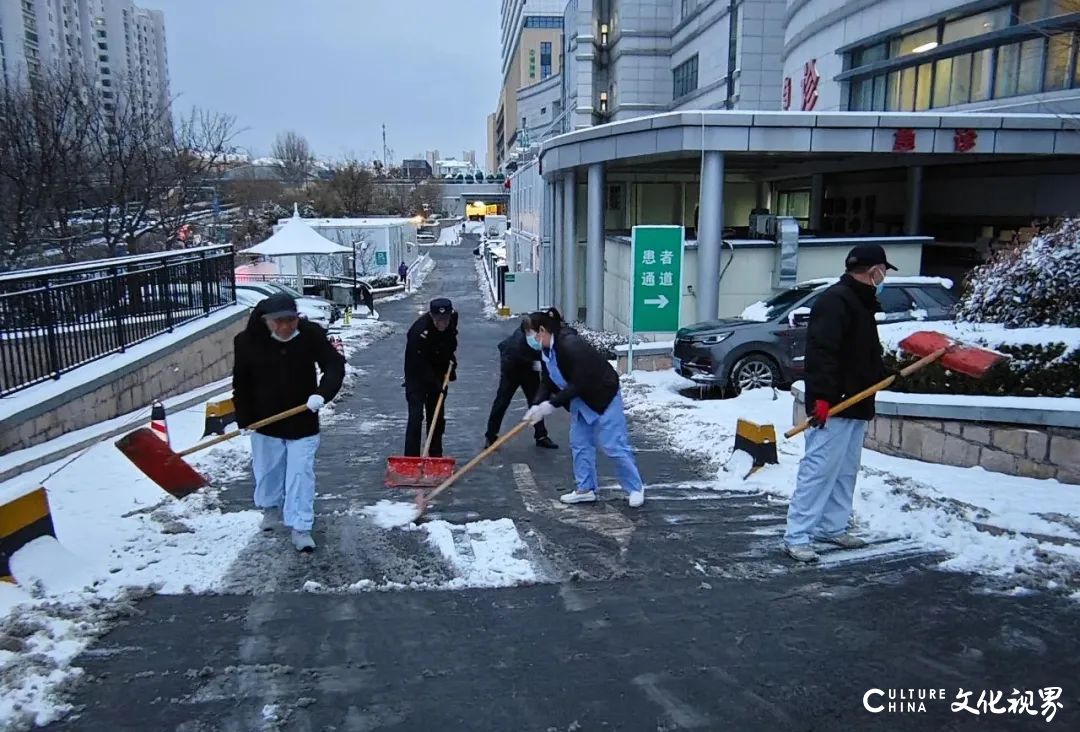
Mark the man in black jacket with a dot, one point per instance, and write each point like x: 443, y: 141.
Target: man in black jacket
x: 429, y: 351
x: 274, y: 371
x: 519, y: 367
x: 843, y: 357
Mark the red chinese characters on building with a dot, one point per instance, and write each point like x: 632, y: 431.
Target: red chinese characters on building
x: 904, y: 140
x: 810, y: 85
x: 965, y: 140
x: 786, y: 97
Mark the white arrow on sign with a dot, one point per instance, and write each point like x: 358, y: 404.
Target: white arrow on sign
x: 661, y: 301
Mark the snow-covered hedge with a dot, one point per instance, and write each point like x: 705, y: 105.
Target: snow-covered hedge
x: 1033, y: 285
x: 378, y: 283
x: 1043, y: 361
x: 603, y: 340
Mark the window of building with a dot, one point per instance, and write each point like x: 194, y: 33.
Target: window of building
x: 543, y: 21
x: 1040, y: 60
x: 976, y: 25
x: 545, y: 59
x: 688, y: 6
x: 103, y: 46
x: 104, y: 58
x: 685, y: 77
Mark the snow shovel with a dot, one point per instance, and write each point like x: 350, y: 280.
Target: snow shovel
x: 423, y: 471
x: 931, y: 346
x: 167, y: 468
x: 423, y: 499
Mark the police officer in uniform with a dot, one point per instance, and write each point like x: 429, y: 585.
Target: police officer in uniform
x: 429, y: 352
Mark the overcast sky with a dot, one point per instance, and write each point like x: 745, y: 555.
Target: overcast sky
x: 336, y: 70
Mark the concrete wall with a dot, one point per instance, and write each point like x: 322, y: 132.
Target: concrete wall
x: 177, y: 367
x: 1001, y: 447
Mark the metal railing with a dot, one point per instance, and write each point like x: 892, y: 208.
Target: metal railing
x: 56, y: 319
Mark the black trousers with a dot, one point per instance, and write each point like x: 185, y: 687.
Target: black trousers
x: 422, y: 400
x: 529, y: 383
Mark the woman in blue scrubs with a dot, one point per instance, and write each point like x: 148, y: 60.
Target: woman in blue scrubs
x: 578, y: 378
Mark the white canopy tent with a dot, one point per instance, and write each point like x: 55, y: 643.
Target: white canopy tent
x: 297, y: 239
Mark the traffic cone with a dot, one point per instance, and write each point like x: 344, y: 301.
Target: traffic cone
x: 158, y: 425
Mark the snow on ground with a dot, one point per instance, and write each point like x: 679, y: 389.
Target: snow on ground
x: 487, y: 291
x: 482, y: 553
x: 390, y: 514
x: 1030, y: 529
x: 448, y: 237
x: 120, y: 537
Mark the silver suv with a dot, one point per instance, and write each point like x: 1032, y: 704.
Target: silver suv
x: 766, y: 345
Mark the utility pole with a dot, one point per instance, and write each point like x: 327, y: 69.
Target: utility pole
x: 385, y: 150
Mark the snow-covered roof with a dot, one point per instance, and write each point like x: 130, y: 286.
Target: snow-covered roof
x: 297, y: 237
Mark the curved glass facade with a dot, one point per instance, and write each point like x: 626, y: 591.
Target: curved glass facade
x: 1011, y: 50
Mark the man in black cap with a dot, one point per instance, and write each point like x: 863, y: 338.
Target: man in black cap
x: 429, y: 352
x: 843, y: 357
x: 274, y: 371
x: 519, y: 368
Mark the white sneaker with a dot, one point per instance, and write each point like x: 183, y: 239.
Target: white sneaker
x: 801, y: 553
x: 271, y: 519
x: 847, y: 540
x: 578, y: 497
x: 636, y: 499
x: 302, y: 541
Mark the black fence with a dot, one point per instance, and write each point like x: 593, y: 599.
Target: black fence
x: 56, y: 319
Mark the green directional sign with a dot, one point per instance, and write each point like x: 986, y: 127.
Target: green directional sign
x: 656, y: 286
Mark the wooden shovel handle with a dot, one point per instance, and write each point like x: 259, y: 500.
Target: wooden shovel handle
x: 438, y: 411
x: 871, y: 390
x: 250, y: 428
x: 476, y: 460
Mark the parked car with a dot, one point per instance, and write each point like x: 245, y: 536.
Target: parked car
x: 426, y: 237
x: 766, y: 345
x: 315, y: 310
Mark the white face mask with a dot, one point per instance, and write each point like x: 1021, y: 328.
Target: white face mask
x: 279, y: 339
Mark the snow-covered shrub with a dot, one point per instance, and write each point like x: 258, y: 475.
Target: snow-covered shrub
x: 603, y: 340
x: 1032, y: 285
x: 1048, y: 369
x: 378, y: 283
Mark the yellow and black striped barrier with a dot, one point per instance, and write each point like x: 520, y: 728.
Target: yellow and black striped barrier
x: 21, y: 521
x: 219, y: 415
x: 758, y: 441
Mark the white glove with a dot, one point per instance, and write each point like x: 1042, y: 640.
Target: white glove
x: 315, y: 402
x: 539, y: 412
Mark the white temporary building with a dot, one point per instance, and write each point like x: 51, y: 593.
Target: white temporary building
x: 380, y: 244
x: 296, y: 239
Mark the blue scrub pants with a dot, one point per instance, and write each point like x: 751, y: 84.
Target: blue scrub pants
x: 821, y: 504
x: 285, y: 477
x: 608, y: 431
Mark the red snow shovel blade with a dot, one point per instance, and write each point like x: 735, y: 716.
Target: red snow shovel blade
x: 160, y: 464
x: 402, y: 471
x: 967, y: 360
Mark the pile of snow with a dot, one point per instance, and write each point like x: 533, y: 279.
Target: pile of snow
x: 893, y: 279
x: 937, y: 505
x: 1032, y: 285
x: 418, y: 274
x: 483, y: 553
x: 391, y: 514
x: 448, y: 237
x: 487, y: 291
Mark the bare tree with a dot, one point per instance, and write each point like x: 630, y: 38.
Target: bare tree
x: 295, y: 158
x: 354, y: 187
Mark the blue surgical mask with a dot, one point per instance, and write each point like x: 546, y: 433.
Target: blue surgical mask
x: 879, y: 286
x: 533, y: 343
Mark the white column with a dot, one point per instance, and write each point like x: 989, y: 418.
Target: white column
x: 570, y: 278
x: 594, y: 249
x: 710, y: 233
